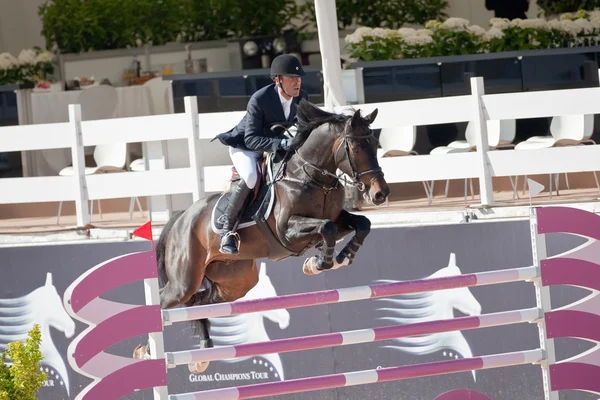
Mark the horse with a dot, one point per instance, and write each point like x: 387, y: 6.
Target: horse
x: 304, y: 209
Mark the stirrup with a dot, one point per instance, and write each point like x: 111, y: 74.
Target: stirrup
x: 236, y: 238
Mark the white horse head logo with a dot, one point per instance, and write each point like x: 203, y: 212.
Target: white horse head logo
x: 43, y: 306
x: 250, y: 328
x: 431, y: 306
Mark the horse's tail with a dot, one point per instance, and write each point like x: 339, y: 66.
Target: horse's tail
x: 161, y: 246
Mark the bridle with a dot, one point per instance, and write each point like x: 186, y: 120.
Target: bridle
x: 356, y: 175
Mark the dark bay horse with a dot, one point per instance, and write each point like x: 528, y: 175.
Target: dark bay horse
x: 307, y: 211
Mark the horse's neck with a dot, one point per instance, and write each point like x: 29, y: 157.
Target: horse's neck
x: 317, y: 150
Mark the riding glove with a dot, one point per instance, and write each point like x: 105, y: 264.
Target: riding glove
x: 285, y: 144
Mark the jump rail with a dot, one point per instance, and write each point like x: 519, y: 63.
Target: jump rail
x: 349, y: 294
x: 110, y: 322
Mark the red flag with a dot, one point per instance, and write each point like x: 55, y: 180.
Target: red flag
x: 144, y: 231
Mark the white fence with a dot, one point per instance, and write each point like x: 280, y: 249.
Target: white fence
x: 210, y: 166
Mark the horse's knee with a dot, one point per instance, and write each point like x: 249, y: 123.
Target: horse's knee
x: 328, y: 230
x: 363, y: 224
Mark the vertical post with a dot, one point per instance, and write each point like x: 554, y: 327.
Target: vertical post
x: 329, y: 45
x: 543, y: 301
x: 155, y: 339
x: 155, y: 156
x: 480, y: 121
x: 25, y: 116
x: 196, y: 164
x: 78, y: 156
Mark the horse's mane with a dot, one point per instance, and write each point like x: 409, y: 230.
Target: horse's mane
x: 311, y: 117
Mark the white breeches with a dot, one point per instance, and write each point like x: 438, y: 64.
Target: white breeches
x: 244, y: 162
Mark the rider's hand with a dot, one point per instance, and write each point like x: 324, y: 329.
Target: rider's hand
x: 285, y: 144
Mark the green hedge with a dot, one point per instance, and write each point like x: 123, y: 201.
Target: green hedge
x: 551, y: 7
x: 74, y: 26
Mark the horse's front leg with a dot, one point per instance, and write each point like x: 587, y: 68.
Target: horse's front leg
x: 345, y: 224
x: 303, y: 228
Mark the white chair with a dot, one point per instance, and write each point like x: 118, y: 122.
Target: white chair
x: 501, y: 134
x: 99, y: 102
x: 400, y: 141
x: 136, y: 166
x: 569, y: 130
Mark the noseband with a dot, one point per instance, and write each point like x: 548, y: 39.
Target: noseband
x: 356, y: 175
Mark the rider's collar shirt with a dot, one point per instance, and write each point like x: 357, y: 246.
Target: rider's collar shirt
x: 286, y: 104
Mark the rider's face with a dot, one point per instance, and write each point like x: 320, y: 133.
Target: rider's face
x: 291, y: 85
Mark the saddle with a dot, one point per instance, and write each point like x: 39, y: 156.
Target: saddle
x: 259, y: 203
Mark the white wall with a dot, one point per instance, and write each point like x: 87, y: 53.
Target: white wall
x: 218, y: 58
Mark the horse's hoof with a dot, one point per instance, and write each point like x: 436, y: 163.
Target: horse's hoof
x: 141, y: 353
x: 198, y: 367
x: 310, y: 266
x: 336, y: 264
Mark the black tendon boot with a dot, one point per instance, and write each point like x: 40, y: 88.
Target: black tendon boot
x: 237, y: 200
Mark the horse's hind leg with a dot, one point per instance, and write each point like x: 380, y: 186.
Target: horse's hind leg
x: 232, y: 281
x: 201, y: 327
x: 229, y: 282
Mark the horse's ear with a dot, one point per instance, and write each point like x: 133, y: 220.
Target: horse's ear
x: 355, y: 121
x: 48, y: 279
x: 371, y: 117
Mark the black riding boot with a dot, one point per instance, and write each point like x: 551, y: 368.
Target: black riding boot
x: 237, y: 200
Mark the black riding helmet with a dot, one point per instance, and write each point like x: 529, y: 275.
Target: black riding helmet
x: 287, y: 65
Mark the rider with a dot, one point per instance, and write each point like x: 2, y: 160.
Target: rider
x: 252, y: 136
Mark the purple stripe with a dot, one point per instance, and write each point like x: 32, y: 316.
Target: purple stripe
x: 287, y: 345
x: 383, y: 375
x: 287, y: 301
x: 570, y: 271
x: 421, y: 328
x: 383, y: 333
x: 139, y: 376
x: 575, y: 376
x: 339, y: 380
x: 429, y: 369
x: 423, y: 285
x: 336, y: 338
x: 293, y: 386
x: 130, y: 323
x: 332, y: 296
x: 568, y: 220
x: 111, y: 274
x: 572, y: 324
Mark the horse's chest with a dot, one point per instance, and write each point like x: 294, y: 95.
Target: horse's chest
x: 318, y: 204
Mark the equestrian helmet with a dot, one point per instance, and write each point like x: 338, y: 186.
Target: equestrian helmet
x: 287, y: 65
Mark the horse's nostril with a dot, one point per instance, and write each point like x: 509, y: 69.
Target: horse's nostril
x: 379, y: 196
